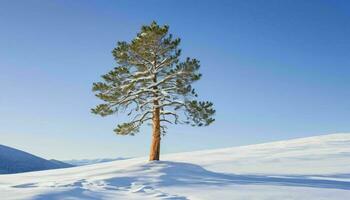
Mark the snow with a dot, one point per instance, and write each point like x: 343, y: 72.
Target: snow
x: 315, y: 168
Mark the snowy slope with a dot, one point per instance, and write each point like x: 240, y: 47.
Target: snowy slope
x: 15, y: 161
x: 316, y: 168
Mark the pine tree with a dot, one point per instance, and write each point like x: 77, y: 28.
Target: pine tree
x: 151, y: 84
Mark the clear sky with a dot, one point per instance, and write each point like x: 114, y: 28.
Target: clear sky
x: 274, y: 69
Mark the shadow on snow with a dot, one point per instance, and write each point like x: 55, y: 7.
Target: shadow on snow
x: 151, y: 177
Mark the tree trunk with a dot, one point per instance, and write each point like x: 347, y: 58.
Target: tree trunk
x: 155, y: 146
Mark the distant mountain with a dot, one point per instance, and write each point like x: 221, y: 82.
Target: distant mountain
x: 91, y: 161
x: 62, y: 164
x: 15, y: 161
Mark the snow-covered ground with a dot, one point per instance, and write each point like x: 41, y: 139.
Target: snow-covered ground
x: 315, y: 168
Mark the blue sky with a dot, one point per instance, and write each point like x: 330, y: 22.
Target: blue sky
x: 274, y: 70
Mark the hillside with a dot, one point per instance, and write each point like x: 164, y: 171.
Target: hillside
x: 315, y: 168
x: 16, y: 161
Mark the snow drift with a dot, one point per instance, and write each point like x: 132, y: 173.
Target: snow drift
x: 315, y: 168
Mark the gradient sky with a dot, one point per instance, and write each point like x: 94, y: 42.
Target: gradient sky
x: 274, y: 70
